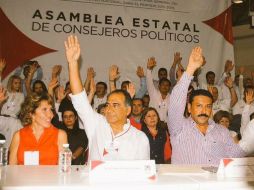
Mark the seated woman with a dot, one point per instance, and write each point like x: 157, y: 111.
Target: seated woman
x: 160, y: 148
x: 77, y: 138
x: 39, y: 142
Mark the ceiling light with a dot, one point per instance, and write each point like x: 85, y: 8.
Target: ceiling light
x: 237, y: 1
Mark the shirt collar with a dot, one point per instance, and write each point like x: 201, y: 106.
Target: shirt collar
x: 126, y: 127
x: 211, y: 124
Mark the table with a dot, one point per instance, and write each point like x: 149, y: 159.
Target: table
x: 169, y: 177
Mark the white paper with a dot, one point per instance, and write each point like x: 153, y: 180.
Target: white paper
x: 31, y: 158
x: 108, y: 171
x: 236, y: 167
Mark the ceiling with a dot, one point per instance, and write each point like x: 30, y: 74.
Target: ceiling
x: 240, y: 13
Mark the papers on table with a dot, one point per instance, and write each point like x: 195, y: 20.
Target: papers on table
x: 236, y: 167
x: 108, y: 171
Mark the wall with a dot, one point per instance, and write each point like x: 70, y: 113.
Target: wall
x: 244, y: 47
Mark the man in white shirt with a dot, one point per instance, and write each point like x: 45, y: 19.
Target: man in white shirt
x: 100, y: 95
x: 162, y: 73
x: 220, y: 103
x: 210, y: 80
x: 159, y: 98
x: 111, y: 137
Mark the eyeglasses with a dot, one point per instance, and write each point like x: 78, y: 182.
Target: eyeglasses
x: 68, y: 116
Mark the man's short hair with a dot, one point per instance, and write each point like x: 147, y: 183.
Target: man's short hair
x: 138, y: 99
x: 126, y: 82
x: 209, y: 73
x: 128, y: 100
x: 164, y: 80
x: 162, y: 69
x: 200, y: 92
x: 102, y: 83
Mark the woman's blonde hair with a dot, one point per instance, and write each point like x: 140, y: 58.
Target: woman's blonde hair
x: 10, y: 81
x: 30, y: 104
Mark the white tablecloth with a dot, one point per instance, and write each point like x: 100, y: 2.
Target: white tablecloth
x: 169, y: 177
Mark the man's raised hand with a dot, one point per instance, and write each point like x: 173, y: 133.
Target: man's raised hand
x: 151, y: 63
x: 195, y: 60
x: 72, y: 49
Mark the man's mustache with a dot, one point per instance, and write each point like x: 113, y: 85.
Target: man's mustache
x: 203, y: 115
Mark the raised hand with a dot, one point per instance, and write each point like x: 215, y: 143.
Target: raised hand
x: 228, y: 66
x: 195, y: 60
x: 53, y: 83
x: 113, y: 73
x: 249, y: 96
x: 33, y: 69
x: 90, y: 73
x: 56, y: 70
x: 140, y: 72
x: 60, y: 94
x: 177, y: 58
x: 2, y: 65
x: 72, y: 49
x: 151, y: 63
x: 131, y: 89
x: 3, y: 95
x: 229, y: 82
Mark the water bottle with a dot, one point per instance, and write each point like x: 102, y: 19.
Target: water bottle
x: 3, y: 153
x: 65, y: 157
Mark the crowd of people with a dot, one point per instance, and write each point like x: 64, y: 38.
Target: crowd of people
x: 177, y: 119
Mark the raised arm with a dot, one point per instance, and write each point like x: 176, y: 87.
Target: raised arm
x: 28, y: 80
x: 152, y: 91
x: 79, y: 97
x: 179, y: 94
x: 229, y: 83
x: 241, y: 88
x: 172, y: 71
x: 2, y: 67
x: 72, y: 50
x: 113, y: 77
x: 92, y: 90
x: 52, y: 85
x: 90, y: 74
x: 56, y: 70
x: 39, y: 72
x: 3, y: 96
x: 229, y: 66
x: 143, y: 88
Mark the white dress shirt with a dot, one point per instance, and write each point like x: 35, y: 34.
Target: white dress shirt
x: 156, y: 101
x: 98, y: 101
x: 13, y: 104
x: 130, y: 144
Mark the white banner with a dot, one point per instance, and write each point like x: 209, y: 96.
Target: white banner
x: 121, y: 32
